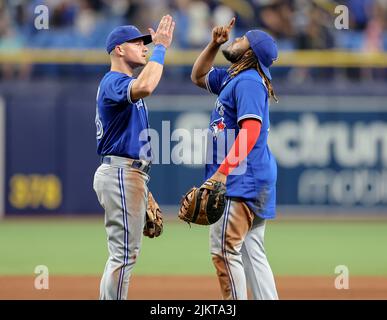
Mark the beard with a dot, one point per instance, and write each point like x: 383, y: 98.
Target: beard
x: 232, y: 56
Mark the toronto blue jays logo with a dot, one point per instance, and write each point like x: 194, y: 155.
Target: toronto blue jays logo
x: 217, y: 126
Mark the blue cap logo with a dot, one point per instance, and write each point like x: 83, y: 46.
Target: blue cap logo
x: 123, y: 34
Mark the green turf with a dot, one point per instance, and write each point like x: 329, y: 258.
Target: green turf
x: 78, y: 247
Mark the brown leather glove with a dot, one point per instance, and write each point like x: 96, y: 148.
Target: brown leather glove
x: 203, y: 205
x: 153, y: 219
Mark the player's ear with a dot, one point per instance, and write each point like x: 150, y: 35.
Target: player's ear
x: 248, y: 53
x: 119, y: 50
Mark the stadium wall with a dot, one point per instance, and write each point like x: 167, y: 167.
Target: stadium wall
x: 331, y: 150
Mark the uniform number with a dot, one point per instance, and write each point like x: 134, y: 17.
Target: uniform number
x: 98, y: 122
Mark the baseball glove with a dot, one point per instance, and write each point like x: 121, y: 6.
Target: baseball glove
x: 203, y: 205
x: 153, y: 219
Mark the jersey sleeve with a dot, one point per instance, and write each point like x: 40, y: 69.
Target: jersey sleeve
x: 250, y: 97
x: 214, y: 79
x: 119, y: 89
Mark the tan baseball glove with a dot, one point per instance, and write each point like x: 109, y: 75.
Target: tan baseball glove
x: 203, y: 205
x: 153, y: 219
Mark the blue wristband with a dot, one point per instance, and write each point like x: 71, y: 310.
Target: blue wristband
x: 158, y: 54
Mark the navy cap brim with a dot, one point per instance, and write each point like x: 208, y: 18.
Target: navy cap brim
x: 265, y: 70
x: 147, y: 38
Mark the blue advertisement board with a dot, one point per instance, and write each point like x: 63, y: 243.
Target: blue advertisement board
x: 331, y: 151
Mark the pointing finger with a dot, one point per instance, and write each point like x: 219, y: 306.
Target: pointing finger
x: 231, y: 24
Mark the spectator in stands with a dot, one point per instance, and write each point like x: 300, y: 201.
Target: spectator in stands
x: 375, y: 37
x: 86, y: 18
x: 11, y: 39
x: 376, y: 25
x: 199, y: 16
x: 359, y: 13
x: 296, y: 24
x: 276, y: 16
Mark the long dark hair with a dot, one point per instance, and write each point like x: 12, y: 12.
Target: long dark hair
x: 249, y: 61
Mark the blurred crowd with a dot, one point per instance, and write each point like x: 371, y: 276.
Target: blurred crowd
x: 296, y: 24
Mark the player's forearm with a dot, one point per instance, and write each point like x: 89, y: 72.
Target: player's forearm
x: 204, y: 62
x: 147, y: 80
x: 150, y: 76
x: 244, y: 143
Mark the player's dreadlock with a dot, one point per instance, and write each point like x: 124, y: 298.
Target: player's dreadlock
x: 249, y: 61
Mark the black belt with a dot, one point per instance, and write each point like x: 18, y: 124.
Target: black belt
x: 126, y: 162
x: 237, y: 199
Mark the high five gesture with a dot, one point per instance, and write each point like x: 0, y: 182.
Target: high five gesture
x: 164, y: 32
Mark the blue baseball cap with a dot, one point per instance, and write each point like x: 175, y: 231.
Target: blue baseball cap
x: 265, y: 49
x: 123, y: 34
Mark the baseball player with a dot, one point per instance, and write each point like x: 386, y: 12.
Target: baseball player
x: 120, y: 182
x: 249, y: 169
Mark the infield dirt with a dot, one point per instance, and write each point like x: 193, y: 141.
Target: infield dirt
x: 189, y: 288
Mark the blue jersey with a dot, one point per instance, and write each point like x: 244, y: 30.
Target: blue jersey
x: 122, y: 124
x: 242, y: 97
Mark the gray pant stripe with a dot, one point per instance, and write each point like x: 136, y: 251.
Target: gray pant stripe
x: 126, y: 231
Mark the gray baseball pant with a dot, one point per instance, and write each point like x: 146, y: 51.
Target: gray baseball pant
x: 122, y: 191
x: 238, y: 254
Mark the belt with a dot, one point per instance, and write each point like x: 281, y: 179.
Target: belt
x: 127, y: 163
x: 237, y: 199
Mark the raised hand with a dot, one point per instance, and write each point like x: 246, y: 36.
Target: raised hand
x: 220, y: 34
x: 164, y: 33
